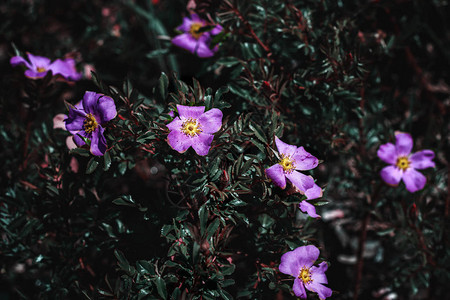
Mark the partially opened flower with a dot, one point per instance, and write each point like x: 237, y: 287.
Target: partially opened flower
x: 39, y: 66
x: 194, y: 127
x: 197, y: 36
x: 86, y: 119
x: 299, y: 263
x: 403, y: 164
x: 291, y: 160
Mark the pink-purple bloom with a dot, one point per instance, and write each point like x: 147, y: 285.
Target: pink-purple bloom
x: 196, y: 36
x: 87, y: 118
x: 403, y: 164
x: 299, y: 263
x: 194, y: 127
x: 292, y: 159
x: 39, y: 66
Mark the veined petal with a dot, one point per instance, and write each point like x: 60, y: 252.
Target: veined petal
x: 175, y: 124
x: 323, y: 291
x: 422, y: 159
x: 414, y: 180
x: 276, y: 174
x: 90, y: 102
x: 299, y: 288
x: 285, y: 149
x: 186, y: 41
x: 187, y: 112
x: 211, y: 121
x: 391, y: 175
x: 314, y: 192
x: 19, y: 60
x: 202, y: 143
x: 388, y: 153
x: 75, y: 120
x: 404, y: 143
x: 304, y: 160
x: 310, y: 209
x: 179, y: 141
x: 318, y: 273
x: 301, y: 181
x: 106, y: 109
x: 98, y: 142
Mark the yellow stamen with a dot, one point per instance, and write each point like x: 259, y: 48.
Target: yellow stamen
x: 194, y: 30
x: 90, y: 123
x: 287, y: 163
x: 191, y: 127
x: 41, y: 69
x: 305, y: 275
x: 402, y: 163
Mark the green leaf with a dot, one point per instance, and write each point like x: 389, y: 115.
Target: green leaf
x: 258, y: 132
x: 161, y: 287
x: 91, y: 166
x: 203, y: 216
x: 219, y: 93
x: 163, y: 86
x: 125, y: 200
x: 212, y: 228
x: 106, y: 161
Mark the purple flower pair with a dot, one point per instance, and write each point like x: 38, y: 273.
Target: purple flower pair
x: 86, y: 119
x: 194, y: 128
x: 299, y: 263
x: 38, y: 67
x: 403, y: 164
x: 292, y: 159
x: 196, y: 37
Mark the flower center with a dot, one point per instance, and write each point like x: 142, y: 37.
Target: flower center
x: 191, y: 127
x: 287, y: 163
x: 305, y: 275
x: 90, y: 123
x: 402, y: 163
x: 40, y: 69
x: 194, y: 30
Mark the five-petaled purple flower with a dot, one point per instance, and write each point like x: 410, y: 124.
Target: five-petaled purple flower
x: 86, y: 119
x: 38, y: 67
x: 194, y: 127
x: 403, y: 165
x: 299, y: 263
x: 292, y: 159
x: 196, y: 38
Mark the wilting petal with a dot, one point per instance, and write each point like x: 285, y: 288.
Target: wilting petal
x: 414, y: 180
x: 75, y: 120
x: 318, y: 273
x: 391, y: 175
x: 211, y: 121
x: 314, y: 192
x: 283, y: 148
x: 301, y: 181
x: 202, y: 143
x: 19, y: 60
x: 276, y: 174
x: 58, y: 121
x: 403, y: 144
x: 106, y: 109
x: 179, y: 141
x: 90, y: 102
x: 304, y: 160
x: 65, y: 68
x: 310, y: 209
x: 388, y: 153
x: 175, y: 124
x: 185, y: 41
x: 187, y: 112
x: 422, y: 159
x: 299, y: 288
x: 323, y: 291
x: 38, y: 61
x: 98, y: 142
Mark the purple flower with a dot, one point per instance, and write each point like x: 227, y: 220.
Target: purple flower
x: 403, y: 164
x: 292, y: 159
x: 299, y: 263
x: 86, y: 119
x: 195, y: 38
x: 38, y: 67
x: 195, y: 128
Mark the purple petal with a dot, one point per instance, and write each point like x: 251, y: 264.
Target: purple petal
x: 211, y: 121
x: 299, y: 288
x: 202, y: 143
x: 403, y: 144
x: 34, y: 74
x: 318, y: 273
x: 276, y: 174
x: 414, y: 180
x: 19, y: 60
x: 285, y: 149
x: 203, y: 49
x: 38, y: 61
x: 314, y: 192
x: 388, y: 153
x: 179, y: 141
x: 186, y: 25
x: 301, y: 181
x: 98, y: 142
x: 75, y: 120
x: 186, y: 41
x: 175, y: 124
x: 196, y: 18
x: 304, y: 160
x: 391, y: 175
x: 90, y: 102
x: 187, y: 112
x: 303, y: 256
x: 65, y: 68
x: 106, y: 109
x: 422, y: 159
x: 310, y: 209
x: 323, y: 291
x: 78, y: 140
x: 216, y: 30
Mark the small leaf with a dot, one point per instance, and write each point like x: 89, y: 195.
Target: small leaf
x: 91, y: 166
x: 161, y: 287
x: 106, y: 161
x: 203, y: 216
